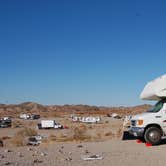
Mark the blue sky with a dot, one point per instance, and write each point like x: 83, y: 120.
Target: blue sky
x: 80, y: 51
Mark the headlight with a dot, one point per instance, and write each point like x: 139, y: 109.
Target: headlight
x: 140, y: 122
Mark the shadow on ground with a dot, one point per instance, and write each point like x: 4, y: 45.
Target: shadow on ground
x: 127, y: 136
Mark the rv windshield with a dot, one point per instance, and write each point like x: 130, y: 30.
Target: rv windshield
x: 157, y: 107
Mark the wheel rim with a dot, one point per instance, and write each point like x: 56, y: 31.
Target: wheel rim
x: 154, y: 136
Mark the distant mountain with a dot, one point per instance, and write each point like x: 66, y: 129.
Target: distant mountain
x: 49, y: 110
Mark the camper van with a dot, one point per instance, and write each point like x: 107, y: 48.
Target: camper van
x: 151, y: 125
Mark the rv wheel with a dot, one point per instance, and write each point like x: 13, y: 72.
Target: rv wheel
x: 153, y: 135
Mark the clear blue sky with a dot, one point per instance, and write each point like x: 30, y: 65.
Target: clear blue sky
x: 95, y: 52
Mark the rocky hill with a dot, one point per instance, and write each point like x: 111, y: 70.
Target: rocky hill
x: 14, y: 110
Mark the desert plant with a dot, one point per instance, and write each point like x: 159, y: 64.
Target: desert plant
x: 17, y: 123
x: 20, y: 138
x: 6, y: 137
x: 27, y: 132
x: 106, y: 122
x: 109, y: 134
x: 52, y: 137
x: 80, y: 133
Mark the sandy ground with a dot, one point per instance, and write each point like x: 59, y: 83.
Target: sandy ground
x: 112, y: 148
x: 114, y: 152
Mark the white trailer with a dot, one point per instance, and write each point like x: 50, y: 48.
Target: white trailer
x: 49, y: 124
x: 90, y: 119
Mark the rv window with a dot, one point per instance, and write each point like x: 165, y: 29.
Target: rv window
x: 157, y: 107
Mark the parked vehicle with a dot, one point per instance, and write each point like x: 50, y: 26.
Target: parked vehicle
x: 24, y: 116
x: 115, y: 116
x: 151, y: 125
x: 90, y: 119
x: 29, y: 116
x: 5, y: 122
x: 49, y: 124
x: 34, y: 116
x: 35, y: 140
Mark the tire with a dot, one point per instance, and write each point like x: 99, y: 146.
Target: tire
x: 39, y: 126
x: 153, y: 135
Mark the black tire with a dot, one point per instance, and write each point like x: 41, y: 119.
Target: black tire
x: 153, y: 135
x: 39, y: 126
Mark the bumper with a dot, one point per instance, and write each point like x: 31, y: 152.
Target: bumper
x: 136, y: 131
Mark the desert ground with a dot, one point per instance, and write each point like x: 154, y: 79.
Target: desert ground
x: 70, y: 146
x: 114, y: 152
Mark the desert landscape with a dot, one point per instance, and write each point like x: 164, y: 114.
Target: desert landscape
x: 74, y: 77
x: 77, y: 141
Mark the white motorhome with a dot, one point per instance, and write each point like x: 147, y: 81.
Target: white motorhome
x: 151, y: 125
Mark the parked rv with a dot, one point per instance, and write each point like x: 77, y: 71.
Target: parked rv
x: 151, y: 126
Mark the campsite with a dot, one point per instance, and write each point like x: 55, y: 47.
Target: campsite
x: 83, y: 83
x: 70, y: 146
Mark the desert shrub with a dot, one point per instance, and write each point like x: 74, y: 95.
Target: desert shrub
x: 17, y: 123
x: 90, y: 127
x: 6, y: 137
x: 27, y: 132
x: 109, y: 134
x: 99, y: 135
x: 52, y: 137
x: 80, y: 133
x: 20, y: 138
x: 31, y: 123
